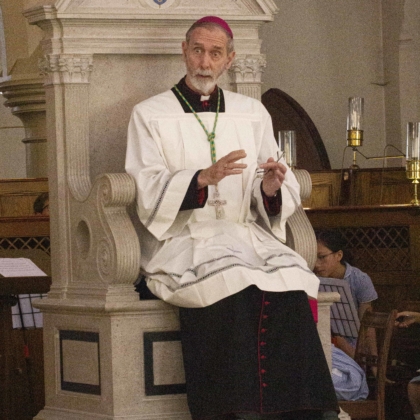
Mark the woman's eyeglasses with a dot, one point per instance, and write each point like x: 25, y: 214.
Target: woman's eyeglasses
x: 322, y: 257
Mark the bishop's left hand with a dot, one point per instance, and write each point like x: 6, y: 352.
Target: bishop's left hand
x: 274, y: 174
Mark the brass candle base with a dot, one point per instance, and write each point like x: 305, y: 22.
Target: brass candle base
x: 354, y: 138
x: 413, y: 172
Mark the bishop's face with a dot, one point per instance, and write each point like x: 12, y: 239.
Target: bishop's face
x: 206, y: 58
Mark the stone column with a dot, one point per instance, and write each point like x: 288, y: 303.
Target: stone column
x: 26, y: 97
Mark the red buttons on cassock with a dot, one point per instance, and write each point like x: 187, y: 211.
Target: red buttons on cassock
x: 263, y: 330
x: 263, y: 343
x: 265, y: 316
x: 264, y: 385
x: 263, y: 357
x: 263, y: 371
x: 266, y: 302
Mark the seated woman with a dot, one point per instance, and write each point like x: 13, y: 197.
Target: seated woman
x: 348, y: 378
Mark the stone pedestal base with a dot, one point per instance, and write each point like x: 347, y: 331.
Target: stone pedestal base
x: 120, y: 363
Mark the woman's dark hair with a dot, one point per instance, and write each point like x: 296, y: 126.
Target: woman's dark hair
x: 333, y: 240
x: 39, y: 203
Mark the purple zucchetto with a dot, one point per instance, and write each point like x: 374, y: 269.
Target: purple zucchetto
x: 218, y: 21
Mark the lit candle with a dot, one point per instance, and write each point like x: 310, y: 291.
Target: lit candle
x: 355, y: 115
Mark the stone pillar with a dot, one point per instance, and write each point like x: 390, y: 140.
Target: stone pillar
x: 26, y: 97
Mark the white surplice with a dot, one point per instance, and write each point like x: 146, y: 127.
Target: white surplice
x: 189, y: 257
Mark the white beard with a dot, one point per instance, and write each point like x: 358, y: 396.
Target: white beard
x: 206, y: 85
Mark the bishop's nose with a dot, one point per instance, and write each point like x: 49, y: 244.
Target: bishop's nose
x: 205, y: 61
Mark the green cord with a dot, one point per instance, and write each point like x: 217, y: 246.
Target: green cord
x: 212, y: 135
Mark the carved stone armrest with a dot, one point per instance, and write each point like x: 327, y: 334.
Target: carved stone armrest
x: 105, y: 246
x: 300, y: 234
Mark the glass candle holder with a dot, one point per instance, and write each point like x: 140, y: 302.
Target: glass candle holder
x: 287, y: 142
x: 412, y: 157
x: 413, y: 141
x: 355, y: 122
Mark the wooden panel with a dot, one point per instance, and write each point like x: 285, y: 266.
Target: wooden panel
x: 364, y: 216
x: 18, y: 195
x: 24, y: 226
x: 14, y: 186
x: 360, y: 188
x: 325, y: 189
x: 386, y: 187
x: 322, y: 196
x: 415, y: 247
x: 12, y: 205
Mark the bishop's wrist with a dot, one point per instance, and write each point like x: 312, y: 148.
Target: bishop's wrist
x: 202, y: 180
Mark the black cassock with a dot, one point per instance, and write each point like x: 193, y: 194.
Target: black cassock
x: 255, y: 352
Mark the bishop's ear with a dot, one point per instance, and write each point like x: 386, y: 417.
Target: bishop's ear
x: 230, y: 58
x: 184, y: 49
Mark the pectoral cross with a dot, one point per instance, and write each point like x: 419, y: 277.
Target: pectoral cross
x: 218, y: 204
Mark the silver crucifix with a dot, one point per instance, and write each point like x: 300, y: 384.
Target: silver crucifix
x: 218, y: 204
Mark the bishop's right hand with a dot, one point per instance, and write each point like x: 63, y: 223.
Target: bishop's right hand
x: 225, y: 166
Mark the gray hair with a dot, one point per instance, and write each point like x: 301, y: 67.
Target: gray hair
x: 210, y: 25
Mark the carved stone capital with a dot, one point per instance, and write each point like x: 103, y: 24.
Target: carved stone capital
x: 248, y: 68
x: 66, y: 68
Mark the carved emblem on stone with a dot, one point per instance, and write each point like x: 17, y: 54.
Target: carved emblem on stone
x: 66, y: 68
x: 248, y: 69
x: 160, y: 4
